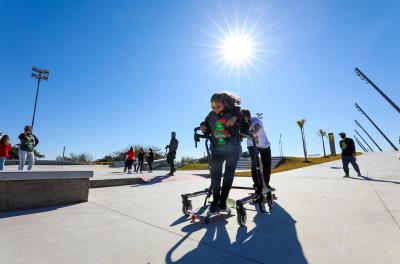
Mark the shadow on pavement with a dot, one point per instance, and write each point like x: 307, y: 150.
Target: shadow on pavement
x: 154, y: 180
x: 365, y: 178
x: 204, y: 175
x: 32, y: 211
x: 272, y: 240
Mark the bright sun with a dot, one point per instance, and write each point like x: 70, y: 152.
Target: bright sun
x: 237, y: 49
x: 239, y: 45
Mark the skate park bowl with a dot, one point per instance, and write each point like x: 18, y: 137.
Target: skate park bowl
x: 34, y: 189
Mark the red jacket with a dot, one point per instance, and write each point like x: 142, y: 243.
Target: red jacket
x: 130, y: 155
x: 4, y: 150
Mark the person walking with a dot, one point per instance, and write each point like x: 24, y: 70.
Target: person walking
x: 129, y: 159
x: 141, y: 160
x: 348, y: 154
x: 172, y: 148
x: 5, y: 147
x: 223, y: 126
x: 28, y: 142
x: 150, y: 159
x: 263, y: 149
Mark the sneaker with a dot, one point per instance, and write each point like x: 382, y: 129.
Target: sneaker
x: 271, y: 188
x: 346, y: 176
x: 213, y: 209
x: 224, y: 209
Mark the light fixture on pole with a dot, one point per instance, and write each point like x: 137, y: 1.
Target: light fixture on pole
x: 39, y: 74
x: 365, y: 78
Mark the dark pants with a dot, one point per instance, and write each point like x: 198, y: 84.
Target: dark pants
x: 128, y: 164
x: 265, y: 154
x: 349, y: 159
x: 228, y: 153
x: 140, y: 165
x: 150, y: 164
x: 170, y: 160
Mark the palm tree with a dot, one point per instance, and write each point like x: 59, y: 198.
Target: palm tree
x: 301, y: 123
x: 322, y: 134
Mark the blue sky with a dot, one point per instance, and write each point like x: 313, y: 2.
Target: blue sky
x: 125, y: 72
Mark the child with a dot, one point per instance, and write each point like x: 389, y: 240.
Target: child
x: 263, y: 149
x: 224, y: 125
x: 129, y: 159
x: 5, y: 147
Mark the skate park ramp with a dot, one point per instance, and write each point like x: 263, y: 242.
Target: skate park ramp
x: 319, y: 217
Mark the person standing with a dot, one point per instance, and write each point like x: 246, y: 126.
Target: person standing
x: 172, y: 148
x: 348, y: 154
x: 5, y: 147
x: 141, y: 160
x: 263, y: 149
x: 129, y: 159
x: 28, y: 142
x: 223, y: 125
x: 150, y: 159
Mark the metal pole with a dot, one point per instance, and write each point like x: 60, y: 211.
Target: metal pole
x: 34, y: 109
x: 376, y: 144
x: 360, y: 144
x: 63, y: 156
x: 364, y: 140
x: 280, y: 145
x: 380, y: 131
x: 364, y: 77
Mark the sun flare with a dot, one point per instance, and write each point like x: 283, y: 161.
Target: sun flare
x: 238, y: 43
x: 237, y: 49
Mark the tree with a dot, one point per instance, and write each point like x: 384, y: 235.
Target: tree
x: 82, y: 157
x: 120, y: 154
x: 322, y: 134
x: 15, y: 149
x: 301, y: 123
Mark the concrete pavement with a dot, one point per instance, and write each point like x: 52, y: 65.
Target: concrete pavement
x: 319, y: 218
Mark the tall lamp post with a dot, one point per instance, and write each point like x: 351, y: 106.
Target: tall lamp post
x: 372, y: 122
x: 366, y: 143
x: 360, y: 126
x: 63, y: 155
x: 39, y: 74
x: 365, y: 78
x: 360, y: 144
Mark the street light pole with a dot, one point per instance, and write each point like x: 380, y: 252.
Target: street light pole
x: 365, y: 78
x: 372, y: 122
x: 360, y: 126
x: 39, y: 74
x: 363, y: 140
x: 63, y: 156
x: 360, y: 144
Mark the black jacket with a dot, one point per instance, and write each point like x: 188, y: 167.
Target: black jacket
x: 347, y: 146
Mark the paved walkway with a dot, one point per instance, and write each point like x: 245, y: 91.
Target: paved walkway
x: 319, y: 218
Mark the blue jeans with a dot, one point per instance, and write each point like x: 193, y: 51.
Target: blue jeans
x: 349, y: 159
x: 23, y: 155
x: 2, y: 161
x: 228, y: 153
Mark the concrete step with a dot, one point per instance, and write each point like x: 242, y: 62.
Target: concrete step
x: 246, y: 163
